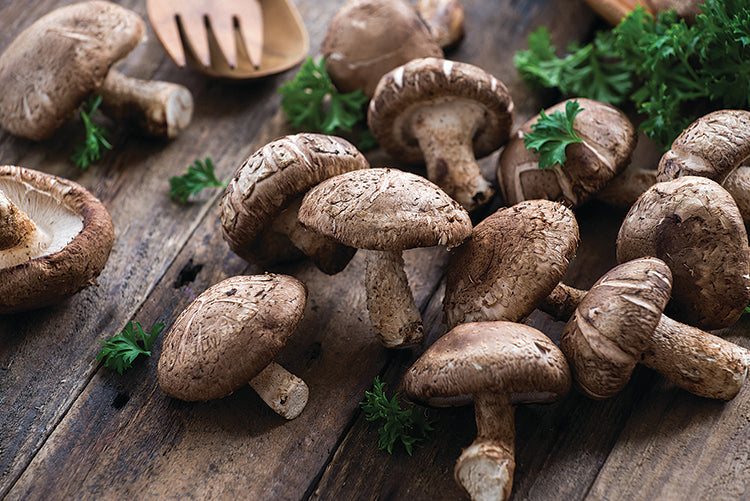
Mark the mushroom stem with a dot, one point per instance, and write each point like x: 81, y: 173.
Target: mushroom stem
x: 326, y: 253
x: 390, y: 304
x: 20, y: 237
x: 695, y: 360
x: 445, y: 133
x: 485, y: 468
x: 159, y: 108
x: 284, y: 392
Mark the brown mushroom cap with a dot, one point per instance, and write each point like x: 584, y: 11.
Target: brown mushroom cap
x: 229, y: 334
x: 608, y: 142
x: 429, y: 81
x: 694, y: 226
x: 384, y: 209
x: 58, y: 61
x: 80, y: 237
x: 510, y: 263
x: 489, y: 357
x: 268, y: 181
x: 368, y: 38
x: 611, y: 327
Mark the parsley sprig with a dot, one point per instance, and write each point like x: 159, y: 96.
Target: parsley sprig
x: 313, y: 103
x: 95, y: 141
x: 551, y: 134
x: 197, y: 177
x: 122, y: 349
x: 408, y: 426
x: 664, y: 66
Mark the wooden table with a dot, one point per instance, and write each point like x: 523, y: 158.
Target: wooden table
x: 71, y: 429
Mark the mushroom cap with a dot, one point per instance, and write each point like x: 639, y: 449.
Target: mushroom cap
x: 384, y: 209
x: 510, y: 263
x: 228, y: 334
x: 694, y: 226
x: 427, y: 81
x: 608, y: 140
x: 611, y: 327
x: 480, y: 357
x: 368, y: 38
x: 58, y: 61
x: 81, y: 237
x: 269, y: 181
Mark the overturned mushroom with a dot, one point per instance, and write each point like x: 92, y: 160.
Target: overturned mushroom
x: 368, y: 38
x: 65, y: 56
x: 386, y: 211
x: 228, y: 336
x: 619, y: 323
x: 445, y: 114
x: 259, y: 207
x: 693, y: 225
x: 55, y: 238
x: 500, y: 364
x: 608, y: 139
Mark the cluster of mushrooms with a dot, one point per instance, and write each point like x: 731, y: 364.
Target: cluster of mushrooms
x: 683, y: 247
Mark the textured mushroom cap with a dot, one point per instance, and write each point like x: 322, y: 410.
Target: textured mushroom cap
x: 384, y: 209
x: 694, y: 226
x: 712, y: 146
x: 499, y: 357
x: 609, y: 330
x: 229, y: 334
x: 427, y: 81
x: 269, y: 180
x: 368, y: 38
x: 58, y: 61
x: 75, y: 255
x: 510, y: 263
x: 609, y: 139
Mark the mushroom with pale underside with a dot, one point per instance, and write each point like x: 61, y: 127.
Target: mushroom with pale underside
x: 228, y: 337
x: 384, y: 212
x: 619, y: 323
x: 55, y: 238
x: 56, y: 63
x: 501, y: 364
x: 445, y: 114
x: 368, y: 38
x: 259, y: 207
x: 608, y: 140
x: 512, y: 261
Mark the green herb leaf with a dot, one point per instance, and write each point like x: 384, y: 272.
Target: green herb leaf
x: 407, y: 426
x: 551, y: 134
x: 311, y: 101
x: 122, y: 349
x: 200, y: 175
x: 95, y: 141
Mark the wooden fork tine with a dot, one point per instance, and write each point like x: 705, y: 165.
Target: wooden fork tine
x: 249, y: 15
x: 222, y: 28
x: 194, y: 32
x: 162, y: 17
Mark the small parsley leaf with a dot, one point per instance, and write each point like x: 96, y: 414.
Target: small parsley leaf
x: 551, y: 134
x: 198, y: 176
x: 408, y: 426
x: 92, y: 148
x: 122, y: 349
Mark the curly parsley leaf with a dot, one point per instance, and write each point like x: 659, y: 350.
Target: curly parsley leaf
x: 122, y: 349
x: 95, y: 141
x: 198, y: 176
x: 551, y: 134
x: 408, y: 426
x: 311, y: 101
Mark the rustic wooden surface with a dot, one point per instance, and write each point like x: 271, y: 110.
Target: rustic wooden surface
x: 71, y: 429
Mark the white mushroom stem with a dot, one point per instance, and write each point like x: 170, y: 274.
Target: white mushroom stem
x: 284, y: 392
x: 390, y: 304
x: 20, y: 238
x: 445, y: 133
x: 159, y: 108
x: 485, y: 468
x: 695, y: 360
